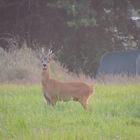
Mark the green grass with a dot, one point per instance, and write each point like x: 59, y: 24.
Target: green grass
x: 114, y: 115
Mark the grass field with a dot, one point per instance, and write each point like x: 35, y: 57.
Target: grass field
x: 114, y: 115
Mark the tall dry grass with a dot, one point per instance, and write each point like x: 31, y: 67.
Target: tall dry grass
x: 121, y: 79
x: 19, y: 65
x: 24, y: 66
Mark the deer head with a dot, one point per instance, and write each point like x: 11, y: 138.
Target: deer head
x: 46, y: 58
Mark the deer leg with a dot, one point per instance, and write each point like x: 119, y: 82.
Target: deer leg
x: 47, y: 99
x: 84, y: 103
x: 53, y: 102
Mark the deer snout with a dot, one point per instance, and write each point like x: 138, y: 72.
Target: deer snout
x: 44, y: 65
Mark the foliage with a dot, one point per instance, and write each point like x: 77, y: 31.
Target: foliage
x: 79, y: 31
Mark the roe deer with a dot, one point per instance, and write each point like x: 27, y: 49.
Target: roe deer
x: 55, y: 90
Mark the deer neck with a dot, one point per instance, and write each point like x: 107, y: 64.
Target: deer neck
x: 45, y: 76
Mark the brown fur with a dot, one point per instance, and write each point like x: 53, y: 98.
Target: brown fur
x: 56, y: 90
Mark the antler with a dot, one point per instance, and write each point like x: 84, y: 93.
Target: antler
x: 43, y: 51
x: 48, y: 54
x: 50, y: 51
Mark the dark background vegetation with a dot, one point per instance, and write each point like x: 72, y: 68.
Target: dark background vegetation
x: 78, y: 31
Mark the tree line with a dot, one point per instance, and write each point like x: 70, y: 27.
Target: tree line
x: 78, y: 31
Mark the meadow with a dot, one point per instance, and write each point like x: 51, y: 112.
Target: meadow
x: 114, y: 114
x: 114, y: 108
